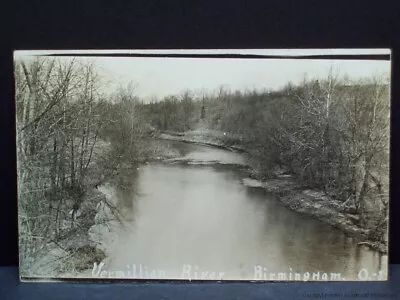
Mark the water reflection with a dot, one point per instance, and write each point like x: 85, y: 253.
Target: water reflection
x: 204, y: 217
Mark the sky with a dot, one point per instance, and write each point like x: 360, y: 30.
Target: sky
x: 160, y: 77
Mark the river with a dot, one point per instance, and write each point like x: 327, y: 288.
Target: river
x: 194, y: 218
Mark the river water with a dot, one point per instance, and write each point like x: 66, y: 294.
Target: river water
x: 195, y: 219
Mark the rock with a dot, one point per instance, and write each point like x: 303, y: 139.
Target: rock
x: 252, y: 182
x: 100, y: 235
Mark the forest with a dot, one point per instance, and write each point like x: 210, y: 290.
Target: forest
x: 332, y: 133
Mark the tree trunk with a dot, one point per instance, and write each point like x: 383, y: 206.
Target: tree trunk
x: 72, y: 162
x: 360, y: 204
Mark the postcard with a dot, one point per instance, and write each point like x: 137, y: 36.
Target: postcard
x: 210, y: 165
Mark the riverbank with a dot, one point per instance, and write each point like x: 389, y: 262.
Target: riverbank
x: 74, y: 250
x: 210, y: 138
x: 316, y: 204
x: 290, y: 191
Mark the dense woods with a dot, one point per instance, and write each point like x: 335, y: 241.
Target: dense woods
x: 332, y: 133
x: 61, y: 115
x: 57, y: 130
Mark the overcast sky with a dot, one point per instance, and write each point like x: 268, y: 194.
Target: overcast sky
x: 159, y: 77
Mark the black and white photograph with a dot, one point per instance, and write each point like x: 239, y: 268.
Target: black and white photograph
x: 209, y: 165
